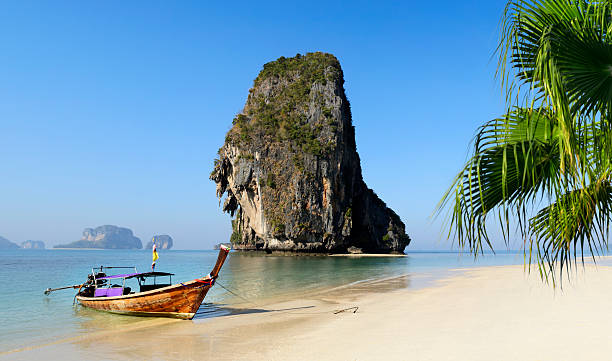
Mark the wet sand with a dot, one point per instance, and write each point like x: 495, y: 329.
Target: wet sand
x: 491, y: 313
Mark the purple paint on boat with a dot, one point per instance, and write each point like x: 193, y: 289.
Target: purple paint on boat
x: 108, y: 292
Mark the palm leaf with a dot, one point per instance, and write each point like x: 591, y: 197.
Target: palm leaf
x: 561, y: 48
x: 556, y: 57
x: 577, y: 221
x: 516, y: 157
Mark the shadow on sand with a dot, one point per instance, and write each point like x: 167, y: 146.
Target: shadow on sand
x: 212, y: 310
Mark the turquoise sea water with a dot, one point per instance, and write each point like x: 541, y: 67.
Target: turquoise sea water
x: 29, y: 318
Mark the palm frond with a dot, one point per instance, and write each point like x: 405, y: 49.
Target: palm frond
x: 560, y: 48
x: 577, y: 222
x: 555, y: 57
x: 516, y: 158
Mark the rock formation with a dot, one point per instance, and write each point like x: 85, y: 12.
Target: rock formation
x: 163, y: 241
x: 29, y: 244
x: 289, y: 168
x: 6, y: 244
x: 106, y: 237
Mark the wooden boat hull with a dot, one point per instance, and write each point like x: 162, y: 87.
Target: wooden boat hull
x: 181, y: 300
x: 177, y: 301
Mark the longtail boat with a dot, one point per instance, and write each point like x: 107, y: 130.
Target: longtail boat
x: 180, y: 300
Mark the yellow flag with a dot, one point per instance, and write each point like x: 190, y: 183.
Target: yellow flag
x: 155, y: 255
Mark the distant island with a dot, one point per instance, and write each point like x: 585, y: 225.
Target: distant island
x: 106, y: 237
x: 289, y: 170
x: 163, y: 241
x: 6, y: 244
x: 29, y: 244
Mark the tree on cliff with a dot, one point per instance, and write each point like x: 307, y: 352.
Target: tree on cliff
x: 545, y: 165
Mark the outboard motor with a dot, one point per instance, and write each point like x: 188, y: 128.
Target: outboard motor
x: 89, y: 287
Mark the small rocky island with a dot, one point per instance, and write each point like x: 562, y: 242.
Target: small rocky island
x: 106, y: 237
x: 163, y: 241
x: 6, y: 244
x: 29, y: 244
x: 289, y: 168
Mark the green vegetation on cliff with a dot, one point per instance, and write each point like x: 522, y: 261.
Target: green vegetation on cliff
x: 283, y: 115
x: 279, y: 115
x: 311, y: 68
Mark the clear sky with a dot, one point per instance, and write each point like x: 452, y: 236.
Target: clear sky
x: 111, y: 112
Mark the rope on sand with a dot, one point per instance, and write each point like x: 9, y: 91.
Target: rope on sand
x: 354, y: 308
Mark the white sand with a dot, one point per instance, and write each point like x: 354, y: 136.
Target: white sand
x: 492, y: 313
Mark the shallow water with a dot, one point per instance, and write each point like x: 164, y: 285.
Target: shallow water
x: 28, y: 318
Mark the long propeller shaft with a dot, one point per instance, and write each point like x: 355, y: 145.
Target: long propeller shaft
x: 49, y: 290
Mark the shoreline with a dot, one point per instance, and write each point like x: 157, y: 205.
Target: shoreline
x: 290, y: 253
x: 423, y: 280
x: 484, y: 313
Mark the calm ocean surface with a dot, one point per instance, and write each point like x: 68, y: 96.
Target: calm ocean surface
x: 27, y: 317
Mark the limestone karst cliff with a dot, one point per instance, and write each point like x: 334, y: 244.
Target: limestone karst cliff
x: 162, y: 241
x: 289, y: 168
x: 106, y: 237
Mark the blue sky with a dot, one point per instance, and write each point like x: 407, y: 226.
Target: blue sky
x: 111, y: 112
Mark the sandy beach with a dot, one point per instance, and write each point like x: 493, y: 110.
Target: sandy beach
x: 490, y: 313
